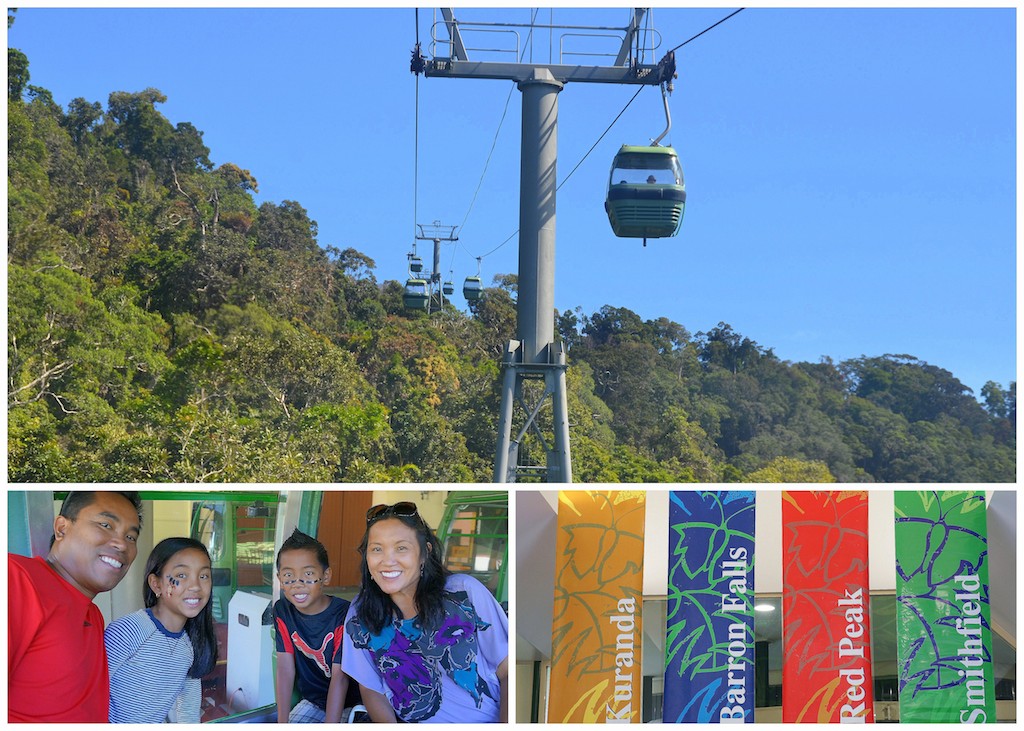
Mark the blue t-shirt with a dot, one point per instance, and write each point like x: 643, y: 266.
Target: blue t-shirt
x: 315, y: 641
x: 449, y: 676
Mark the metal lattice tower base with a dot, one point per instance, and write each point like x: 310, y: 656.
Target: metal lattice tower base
x: 557, y: 467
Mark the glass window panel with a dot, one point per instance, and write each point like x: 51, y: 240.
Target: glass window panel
x: 240, y: 538
x: 768, y: 639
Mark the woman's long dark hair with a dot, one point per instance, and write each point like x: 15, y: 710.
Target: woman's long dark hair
x: 376, y: 608
x: 199, y: 628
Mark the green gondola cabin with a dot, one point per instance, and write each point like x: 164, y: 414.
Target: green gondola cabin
x: 473, y: 289
x: 415, y: 296
x: 646, y: 192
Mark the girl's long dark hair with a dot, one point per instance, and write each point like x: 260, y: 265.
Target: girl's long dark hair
x: 199, y: 628
x: 376, y: 608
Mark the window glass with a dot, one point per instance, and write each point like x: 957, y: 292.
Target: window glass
x: 240, y: 538
x: 477, y: 543
x: 768, y: 639
x: 647, y: 169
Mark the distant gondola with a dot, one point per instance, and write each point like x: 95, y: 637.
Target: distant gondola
x: 646, y: 192
x: 415, y: 264
x: 415, y: 296
x: 473, y: 289
x: 448, y: 288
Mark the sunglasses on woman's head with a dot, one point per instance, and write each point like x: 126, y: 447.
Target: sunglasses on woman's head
x: 379, y: 512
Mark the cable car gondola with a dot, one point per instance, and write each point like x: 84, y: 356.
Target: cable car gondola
x: 473, y: 289
x: 448, y: 288
x: 415, y: 296
x: 646, y: 192
x: 415, y: 264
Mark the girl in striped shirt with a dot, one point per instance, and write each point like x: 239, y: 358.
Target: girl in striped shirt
x: 158, y: 655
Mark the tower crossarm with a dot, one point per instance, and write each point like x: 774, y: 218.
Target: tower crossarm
x: 644, y: 74
x: 626, y: 68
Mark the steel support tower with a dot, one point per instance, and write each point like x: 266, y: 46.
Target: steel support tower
x: 436, y: 232
x: 534, y: 355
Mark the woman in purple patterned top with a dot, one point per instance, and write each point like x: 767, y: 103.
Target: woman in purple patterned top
x: 425, y: 645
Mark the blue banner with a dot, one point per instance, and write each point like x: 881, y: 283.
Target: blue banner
x: 709, y: 641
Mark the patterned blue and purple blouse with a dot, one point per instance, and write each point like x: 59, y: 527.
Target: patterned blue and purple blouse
x: 447, y: 677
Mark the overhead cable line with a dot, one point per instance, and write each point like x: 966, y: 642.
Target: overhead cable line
x: 600, y: 138
x: 634, y: 98
x: 566, y: 178
x: 511, y: 236
x: 487, y: 162
x: 416, y: 136
x: 707, y: 29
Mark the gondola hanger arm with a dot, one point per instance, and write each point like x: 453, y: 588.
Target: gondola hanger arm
x: 668, y: 119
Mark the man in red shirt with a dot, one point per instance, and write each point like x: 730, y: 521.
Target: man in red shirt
x: 56, y: 662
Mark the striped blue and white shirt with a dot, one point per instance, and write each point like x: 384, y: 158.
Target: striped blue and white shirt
x: 149, y: 672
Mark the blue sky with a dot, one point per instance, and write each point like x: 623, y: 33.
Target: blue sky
x: 851, y: 174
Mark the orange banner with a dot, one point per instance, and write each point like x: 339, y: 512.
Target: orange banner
x: 596, y: 632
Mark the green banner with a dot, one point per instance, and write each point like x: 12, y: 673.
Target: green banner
x: 943, y: 636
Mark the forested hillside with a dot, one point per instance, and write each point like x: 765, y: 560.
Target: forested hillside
x: 163, y: 327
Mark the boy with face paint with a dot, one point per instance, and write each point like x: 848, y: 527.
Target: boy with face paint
x: 56, y: 661
x: 310, y: 627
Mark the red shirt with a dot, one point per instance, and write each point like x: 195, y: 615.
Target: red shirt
x: 56, y: 662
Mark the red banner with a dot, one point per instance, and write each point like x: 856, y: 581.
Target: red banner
x: 826, y: 637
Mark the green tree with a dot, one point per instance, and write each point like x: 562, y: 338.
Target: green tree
x: 17, y: 71
x: 77, y: 361
x: 82, y: 118
x: 725, y: 348
x: 787, y: 469
x: 496, y: 313
x: 998, y: 402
